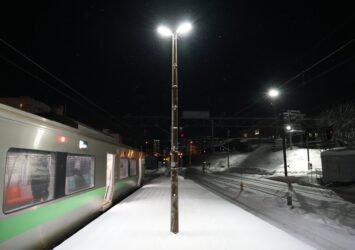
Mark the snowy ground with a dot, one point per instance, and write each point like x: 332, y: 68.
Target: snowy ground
x: 142, y: 221
x: 321, y: 216
x: 264, y: 160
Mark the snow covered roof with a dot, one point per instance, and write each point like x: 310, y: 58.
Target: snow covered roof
x: 338, y: 152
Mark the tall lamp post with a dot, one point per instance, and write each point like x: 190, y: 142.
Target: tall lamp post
x: 174, y: 210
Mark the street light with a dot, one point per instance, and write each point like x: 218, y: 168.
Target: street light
x: 164, y: 31
x: 273, y: 93
x: 167, y: 32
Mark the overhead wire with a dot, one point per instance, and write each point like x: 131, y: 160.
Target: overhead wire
x: 349, y: 59
x: 52, y: 75
x: 303, y: 72
x: 113, y: 117
x: 318, y: 62
x: 39, y: 79
x: 325, y: 38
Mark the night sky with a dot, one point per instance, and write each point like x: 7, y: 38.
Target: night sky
x: 110, y: 52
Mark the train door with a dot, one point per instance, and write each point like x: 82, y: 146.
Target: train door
x: 110, y: 168
x: 141, y: 169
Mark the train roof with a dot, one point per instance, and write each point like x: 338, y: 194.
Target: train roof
x: 7, y: 112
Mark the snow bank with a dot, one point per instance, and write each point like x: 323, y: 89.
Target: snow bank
x: 264, y: 160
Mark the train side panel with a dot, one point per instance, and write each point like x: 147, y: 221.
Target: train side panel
x: 37, y: 223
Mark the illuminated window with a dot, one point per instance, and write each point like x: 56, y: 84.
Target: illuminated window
x: 133, y: 167
x: 29, y: 178
x: 79, y: 173
x: 83, y: 144
x: 123, y: 168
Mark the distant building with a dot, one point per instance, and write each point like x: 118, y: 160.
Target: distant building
x: 27, y: 104
x: 156, y: 147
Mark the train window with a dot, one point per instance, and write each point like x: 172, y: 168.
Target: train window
x: 123, y: 168
x: 133, y: 167
x: 79, y: 173
x: 29, y: 178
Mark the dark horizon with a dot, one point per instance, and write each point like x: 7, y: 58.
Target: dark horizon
x: 111, y: 54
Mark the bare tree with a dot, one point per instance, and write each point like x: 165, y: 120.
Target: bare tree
x: 341, y: 120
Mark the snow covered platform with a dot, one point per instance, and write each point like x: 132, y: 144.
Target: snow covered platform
x: 142, y: 221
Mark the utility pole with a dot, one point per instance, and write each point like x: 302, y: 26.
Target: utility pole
x: 289, y: 132
x: 212, y: 135
x: 228, y: 134
x: 284, y: 151
x: 284, y: 143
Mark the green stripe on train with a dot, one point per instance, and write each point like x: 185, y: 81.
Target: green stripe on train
x: 21, y: 223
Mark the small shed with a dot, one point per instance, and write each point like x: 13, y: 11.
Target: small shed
x: 338, y: 165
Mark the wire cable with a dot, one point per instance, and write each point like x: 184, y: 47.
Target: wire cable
x: 303, y: 72
x: 58, y: 79
x: 318, y: 62
x: 39, y: 79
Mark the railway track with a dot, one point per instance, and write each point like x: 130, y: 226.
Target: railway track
x: 315, y: 192
x: 274, y: 188
x: 259, y: 194
x: 222, y: 183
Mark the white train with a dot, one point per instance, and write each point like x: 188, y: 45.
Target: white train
x: 54, y: 178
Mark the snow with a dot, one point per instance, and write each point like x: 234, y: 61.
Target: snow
x: 263, y: 160
x: 322, y: 217
x: 142, y: 221
x: 256, y: 218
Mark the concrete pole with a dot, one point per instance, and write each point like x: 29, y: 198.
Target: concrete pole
x: 174, y: 212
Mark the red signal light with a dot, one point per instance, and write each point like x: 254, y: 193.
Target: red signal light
x: 330, y: 133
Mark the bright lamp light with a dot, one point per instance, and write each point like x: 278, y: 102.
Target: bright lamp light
x: 273, y: 93
x: 184, y: 28
x: 164, y: 31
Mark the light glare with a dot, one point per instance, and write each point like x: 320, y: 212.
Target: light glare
x: 164, y: 31
x: 83, y: 144
x: 273, y: 93
x: 184, y: 28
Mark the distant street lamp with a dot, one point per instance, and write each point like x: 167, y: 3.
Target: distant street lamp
x: 166, y: 32
x: 289, y: 131
x: 273, y: 93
